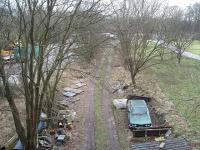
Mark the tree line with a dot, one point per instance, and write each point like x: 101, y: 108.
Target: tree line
x: 148, y: 29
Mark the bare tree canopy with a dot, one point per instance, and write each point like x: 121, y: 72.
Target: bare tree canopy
x: 136, y: 27
x: 180, y: 31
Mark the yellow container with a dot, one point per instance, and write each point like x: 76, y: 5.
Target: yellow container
x: 6, y: 52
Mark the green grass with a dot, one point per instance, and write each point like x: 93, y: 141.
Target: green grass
x: 122, y: 127
x: 100, y: 134
x: 181, y: 84
x: 194, y: 47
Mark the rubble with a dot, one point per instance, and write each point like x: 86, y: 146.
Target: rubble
x: 60, y: 133
x: 12, y: 80
x: 119, y: 86
x: 45, y: 142
x: 73, y: 91
x: 120, y: 103
x: 69, y: 94
x: 61, y: 137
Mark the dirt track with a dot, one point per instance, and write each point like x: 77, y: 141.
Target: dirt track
x: 88, y: 123
x: 107, y: 114
x: 106, y: 98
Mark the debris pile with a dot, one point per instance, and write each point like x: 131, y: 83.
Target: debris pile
x: 70, y: 93
x: 120, y: 103
x: 122, y: 88
x: 119, y: 87
x: 170, y: 144
x: 57, y: 133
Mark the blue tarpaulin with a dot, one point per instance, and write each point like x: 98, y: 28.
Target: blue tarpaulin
x: 18, y: 146
x: 42, y: 125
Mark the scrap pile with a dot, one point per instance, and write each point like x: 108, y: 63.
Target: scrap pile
x: 71, y: 92
x: 119, y: 87
x: 171, y: 144
x: 56, y: 134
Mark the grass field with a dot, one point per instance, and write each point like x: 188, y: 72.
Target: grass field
x: 181, y: 84
x: 194, y: 47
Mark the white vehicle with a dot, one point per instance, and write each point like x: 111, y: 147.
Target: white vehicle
x: 109, y: 35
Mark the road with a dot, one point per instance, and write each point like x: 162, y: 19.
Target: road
x: 186, y: 53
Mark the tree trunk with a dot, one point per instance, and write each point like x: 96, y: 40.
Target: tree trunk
x: 133, y: 77
x: 18, y: 124
x: 161, y: 57
x: 49, y: 107
x: 179, y: 60
x: 32, y: 142
x: 179, y: 56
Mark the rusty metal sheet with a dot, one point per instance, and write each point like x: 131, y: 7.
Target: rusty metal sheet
x: 172, y: 144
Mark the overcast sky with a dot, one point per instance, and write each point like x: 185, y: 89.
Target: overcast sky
x: 182, y: 3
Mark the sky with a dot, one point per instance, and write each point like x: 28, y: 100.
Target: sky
x: 182, y: 3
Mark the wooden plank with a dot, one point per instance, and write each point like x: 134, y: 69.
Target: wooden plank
x: 11, y: 142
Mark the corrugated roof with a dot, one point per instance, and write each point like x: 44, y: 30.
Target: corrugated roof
x: 173, y: 144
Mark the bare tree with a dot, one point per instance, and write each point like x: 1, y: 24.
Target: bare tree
x: 193, y: 16
x: 46, y: 32
x: 180, y: 32
x: 136, y: 29
x: 89, y: 38
x: 6, y: 28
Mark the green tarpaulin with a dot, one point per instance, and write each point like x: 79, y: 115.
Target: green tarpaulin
x: 19, y: 54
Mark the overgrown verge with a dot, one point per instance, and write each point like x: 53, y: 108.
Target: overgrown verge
x: 180, y: 83
x: 148, y: 85
x: 124, y: 133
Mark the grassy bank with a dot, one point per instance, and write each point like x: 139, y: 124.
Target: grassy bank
x: 122, y: 127
x: 181, y: 84
x: 194, y: 47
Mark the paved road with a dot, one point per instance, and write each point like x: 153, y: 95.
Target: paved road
x: 186, y: 53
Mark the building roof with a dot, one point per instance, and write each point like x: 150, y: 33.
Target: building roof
x: 172, y: 144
